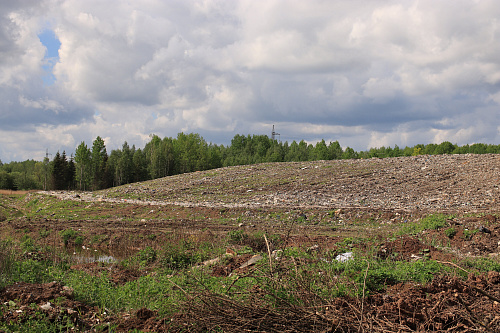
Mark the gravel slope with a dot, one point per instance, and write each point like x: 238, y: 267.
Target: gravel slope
x: 462, y: 183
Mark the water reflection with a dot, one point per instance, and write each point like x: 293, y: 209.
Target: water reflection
x: 81, y: 259
x: 85, y: 255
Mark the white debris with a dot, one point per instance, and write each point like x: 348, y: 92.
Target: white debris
x: 47, y: 306
x: 344, y: 257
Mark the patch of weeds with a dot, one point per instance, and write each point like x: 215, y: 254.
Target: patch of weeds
x: 146, y: 256
x: 7, y: 259
x: 236, y: 236
x: 97, y: 239
x: 349, y: 242
x: 40, y: 322
x: 44, y: 233
x: 27, y: 243
x: 467, y: 234
x: 32, y: 203
x: 70, y: 235
x: 430, y: 222
x: 31, y: 271
x: 174, y: 257
x: 142, y: 258
x: 255, y: 240
x: 302, y: 219
x: 483, y: 264
x: 78, y: 240
x: 450, y: 232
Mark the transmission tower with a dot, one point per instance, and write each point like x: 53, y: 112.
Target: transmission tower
x: 273, y: 134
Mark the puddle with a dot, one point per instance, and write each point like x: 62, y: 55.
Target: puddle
x: 80, y: 259
x: 84, y: 255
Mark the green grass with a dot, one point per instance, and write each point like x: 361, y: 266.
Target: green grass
x: 483, y: 264
x: 430, y: 222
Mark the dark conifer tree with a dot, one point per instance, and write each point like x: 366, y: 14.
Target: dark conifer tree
x: 58, y: 171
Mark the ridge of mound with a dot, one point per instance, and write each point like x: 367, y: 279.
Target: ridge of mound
x: 465, y: 183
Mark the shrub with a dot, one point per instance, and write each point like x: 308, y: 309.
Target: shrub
x: 450, y: 232
x: 70, y: 235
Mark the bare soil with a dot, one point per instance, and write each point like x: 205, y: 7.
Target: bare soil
x: 316, y: 205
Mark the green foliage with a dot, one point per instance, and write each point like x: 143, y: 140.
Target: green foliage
x: 31, y: 271
x: 63, y: 172
x: 7, y: 259
x: 44, y: 233
x: 146, y: 256
x: 450, y: 232
x: 69, y: 235
x: 27, y: 175
x: 174, y: 260
x: 255, y: 241
x: 99, y: 172
x: 430, y: 222
x: 82, y: 159
x: 483, y: 264
x: 6, y: 180
x: 417, y: 151
x: 236, y: 236
x: 39, y: 322
x: 467, y: 234
x: 27, y: 243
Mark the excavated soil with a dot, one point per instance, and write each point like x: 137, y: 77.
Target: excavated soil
x: 328, y: 202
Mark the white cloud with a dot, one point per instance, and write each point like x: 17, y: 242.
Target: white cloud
x: 362, y: 72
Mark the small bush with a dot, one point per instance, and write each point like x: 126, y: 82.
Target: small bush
x: 467, y: 234
x: 78, y: 240
x: 450, y: 232
x: 256, y: 240
x: 69, y: 235
x: 236, y: 236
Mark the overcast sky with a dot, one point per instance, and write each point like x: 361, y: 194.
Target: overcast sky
x: 364, y: 72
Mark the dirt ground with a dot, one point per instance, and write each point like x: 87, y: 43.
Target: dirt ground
x: 314, y: 205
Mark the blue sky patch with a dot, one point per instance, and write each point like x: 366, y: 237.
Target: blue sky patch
x: 52, y: 44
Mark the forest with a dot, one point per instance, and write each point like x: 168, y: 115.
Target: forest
x: 92, y: 167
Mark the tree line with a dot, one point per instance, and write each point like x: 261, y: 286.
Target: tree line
x: 92, y: 168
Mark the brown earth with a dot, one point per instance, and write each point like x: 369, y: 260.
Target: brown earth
x: 314, y: 205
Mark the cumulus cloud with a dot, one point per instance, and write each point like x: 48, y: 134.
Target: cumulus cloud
x: 366, y: 73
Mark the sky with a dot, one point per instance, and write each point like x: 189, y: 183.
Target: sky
x: 367, y: 73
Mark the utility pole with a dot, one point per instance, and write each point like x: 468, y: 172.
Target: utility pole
x: 46, y: 164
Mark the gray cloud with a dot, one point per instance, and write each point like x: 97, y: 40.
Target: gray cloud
x: 365, y: 73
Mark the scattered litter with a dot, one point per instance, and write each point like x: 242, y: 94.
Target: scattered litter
x: 252, y: 261
x: 47, y: 306
x: 344, y: 257
x: 416, y: 257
